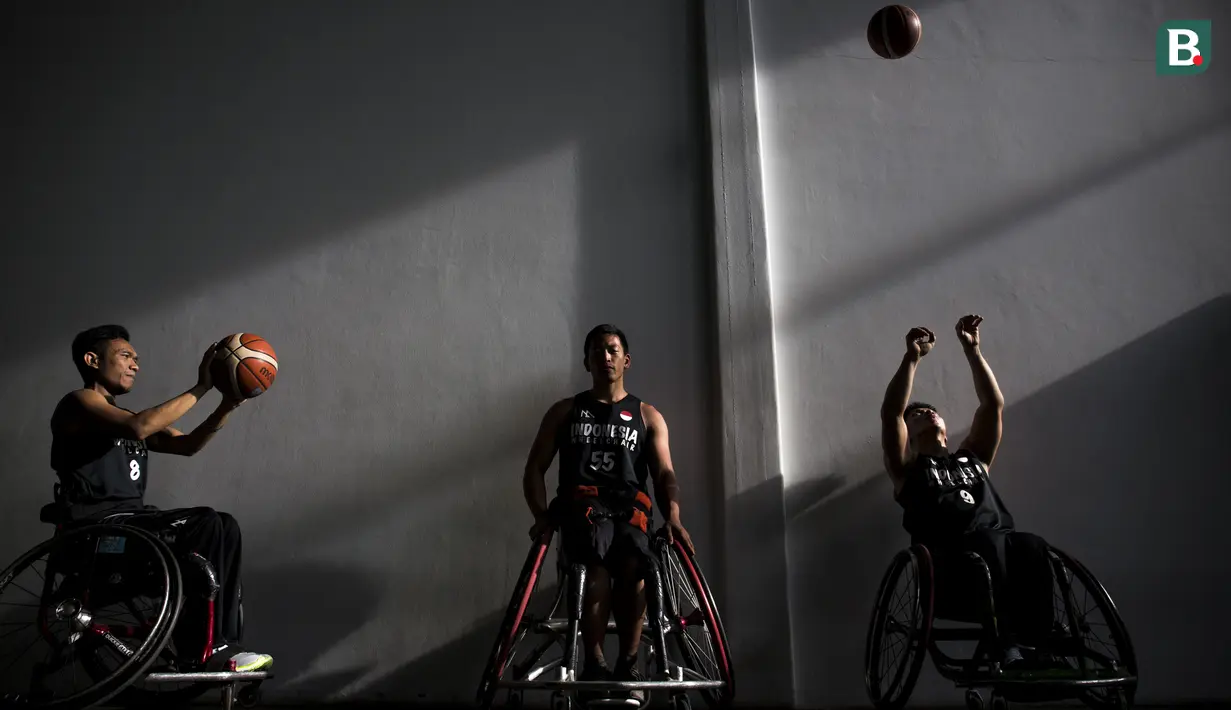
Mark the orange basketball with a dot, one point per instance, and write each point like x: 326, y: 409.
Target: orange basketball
x: 894, y: 31
x: 244, y: 366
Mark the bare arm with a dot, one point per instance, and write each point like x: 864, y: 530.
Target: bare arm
x: 97, y: 414
x: 666, y: 487
x: 987, y: 427
x: 919, y: 342
x: 173, y: 441
x: 988, y: 424
x: 542, y: 452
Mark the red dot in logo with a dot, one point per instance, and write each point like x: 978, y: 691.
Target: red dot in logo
x: 1197, y: 60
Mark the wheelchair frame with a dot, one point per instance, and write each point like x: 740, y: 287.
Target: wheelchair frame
x: 240, y: 686
x: 983, y: 670
x: 560, y: 677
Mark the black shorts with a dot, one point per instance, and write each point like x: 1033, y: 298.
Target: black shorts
x: 596, y: 532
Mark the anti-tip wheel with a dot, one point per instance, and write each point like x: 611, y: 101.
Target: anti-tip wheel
x: 999, y: 702
x: 249, y: 695
x: 974, y: 701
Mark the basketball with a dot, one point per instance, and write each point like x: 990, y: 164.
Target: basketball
x: 894, y: 31
x: 244, y: 366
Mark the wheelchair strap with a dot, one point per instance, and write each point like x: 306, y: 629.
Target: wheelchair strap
x: 640, y: 505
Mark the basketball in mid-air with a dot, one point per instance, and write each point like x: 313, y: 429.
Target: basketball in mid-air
x: 894, y: 31
x: 244, y: 366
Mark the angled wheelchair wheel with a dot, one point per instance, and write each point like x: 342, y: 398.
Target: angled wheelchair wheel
x: 900, y: 629
x: 513, y: 628
x: 161, y: 694
x: 83, y: 615
x: 1091, y: 634
x: 695, y: 624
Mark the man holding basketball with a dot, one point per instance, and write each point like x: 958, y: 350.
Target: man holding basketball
x: 610, y: 442
x: 100, y: 451
x: 948, y: 501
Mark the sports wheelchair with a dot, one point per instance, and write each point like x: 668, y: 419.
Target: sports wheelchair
x: 921, y: 588
x: 680, y: 607
x: 105, y: 598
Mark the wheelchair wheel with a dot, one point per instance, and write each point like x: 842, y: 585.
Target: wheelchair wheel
x: 103, y: 597
x: 901, y: 626
x: 700, y: 638
x: 159, y: 695
x: 1096, y: 638
x: 512, y: 628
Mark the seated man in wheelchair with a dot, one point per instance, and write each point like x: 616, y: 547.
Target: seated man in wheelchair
x: 610, y: 442
x: 100, y: 452
x: 949, y: 503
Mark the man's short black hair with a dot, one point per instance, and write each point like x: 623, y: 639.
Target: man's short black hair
x: 94, y: 340
x: 919, y: 405
x: 602, y: 331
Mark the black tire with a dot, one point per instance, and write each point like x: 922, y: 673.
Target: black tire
x: 894, y: 694
x: 677, y: 557
x: 161, y: 567
x: 164, y: 695
x: 506, y: 638
x: 1101, y: 698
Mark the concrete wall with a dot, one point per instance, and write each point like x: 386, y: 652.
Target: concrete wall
x: 423, y: 207
x: 1025, y: 164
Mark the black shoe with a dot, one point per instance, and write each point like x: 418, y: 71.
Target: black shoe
x: 1012, y: 659
x: 628, y: 672
x: 593, y: 671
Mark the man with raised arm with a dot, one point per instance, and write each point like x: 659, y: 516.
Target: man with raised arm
x: 949, y: 503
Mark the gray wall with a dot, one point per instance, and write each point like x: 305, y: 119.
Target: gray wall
x: 1026, y: 164
x: 423, y: 207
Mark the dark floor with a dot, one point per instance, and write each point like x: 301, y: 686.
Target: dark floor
x: 1221, y: 705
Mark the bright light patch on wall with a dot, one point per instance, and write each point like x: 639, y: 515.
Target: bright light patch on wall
x: 768, y: 211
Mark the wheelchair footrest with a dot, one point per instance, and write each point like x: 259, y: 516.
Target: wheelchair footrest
x: 1043, y: 679
x: 613, y: 703
x: 602, y: 685
x: 209, y: 677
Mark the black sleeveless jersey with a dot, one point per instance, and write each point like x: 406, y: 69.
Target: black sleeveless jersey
x: 603, y: 445
x: 99, y: 473
x: 944, y: 497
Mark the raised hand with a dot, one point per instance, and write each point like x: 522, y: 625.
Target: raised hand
x: 204, y: 377
x: 968, y: 330
x: 919, y: 341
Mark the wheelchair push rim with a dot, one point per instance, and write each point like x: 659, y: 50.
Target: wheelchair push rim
x: 72, y: 624
x: 1118, y: 657
x: 684, y: 573
x: 890, y: 688
x: 513, y: 623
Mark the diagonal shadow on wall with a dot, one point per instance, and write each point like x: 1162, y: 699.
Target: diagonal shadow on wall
x: 983, y: 224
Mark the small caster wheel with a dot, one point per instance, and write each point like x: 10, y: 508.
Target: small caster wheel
x: 999, y: 702
x: 561, y: 701
x: 514, y: 702
x: 974, y: 701
x: 249, y: 695
x: 681, y: 702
